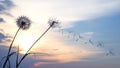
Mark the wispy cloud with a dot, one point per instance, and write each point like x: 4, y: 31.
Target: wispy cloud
x: 66, y: 10
x: 4, y: 38
x: 5, y: 6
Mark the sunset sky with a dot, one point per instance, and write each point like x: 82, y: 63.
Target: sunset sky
x: 88, y: 35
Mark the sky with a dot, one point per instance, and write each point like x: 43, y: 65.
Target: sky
x: 87, y: 37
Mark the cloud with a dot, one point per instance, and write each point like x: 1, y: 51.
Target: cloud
x: 87, y: 35
x: 1, y: 37
x: 61, y: 50
x: 1, y: 20
x: 5, y: 7
x: 65, y: 10
x: 4, y: 37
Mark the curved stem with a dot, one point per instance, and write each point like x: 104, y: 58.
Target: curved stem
x: 33, y: 45
x: 10, y: 48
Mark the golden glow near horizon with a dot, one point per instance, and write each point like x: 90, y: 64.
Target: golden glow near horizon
x: 24, y: 42
x: 51, y: 44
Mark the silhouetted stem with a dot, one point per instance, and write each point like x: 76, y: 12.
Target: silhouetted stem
x: 17, y: 56
x: 9, y: 66
x: 10, y: 48
x: 33, y: 45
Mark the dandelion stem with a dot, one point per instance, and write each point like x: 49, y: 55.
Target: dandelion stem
x: 33, y: 45
x: 10, y: 48
x: 17, y: 56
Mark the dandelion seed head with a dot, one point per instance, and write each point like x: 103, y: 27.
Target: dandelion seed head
x: 23, y: 22
x: 53, y: 23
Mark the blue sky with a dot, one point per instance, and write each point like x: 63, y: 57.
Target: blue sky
x: 105, y: 28
x: 84, y: 25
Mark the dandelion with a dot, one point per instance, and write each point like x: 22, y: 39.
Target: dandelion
x: 52, y: 24
x: 23, y: 23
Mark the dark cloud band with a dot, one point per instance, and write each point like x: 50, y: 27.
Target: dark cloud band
x: 2, y: 20
x: 5, y: 5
